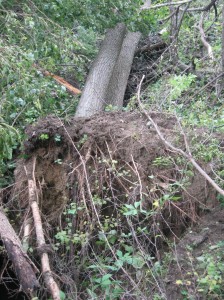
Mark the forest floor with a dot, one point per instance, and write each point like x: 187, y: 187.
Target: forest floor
x: 195, y: 268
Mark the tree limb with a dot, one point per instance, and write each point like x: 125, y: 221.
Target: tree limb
x: 162, y: 21
x: 203, y: 38
x: 180, y: 21
x: 23, y: 266
x: 187, y: 155
x: 166, y: 4
x: 206, y: 8
x: 46, y: 271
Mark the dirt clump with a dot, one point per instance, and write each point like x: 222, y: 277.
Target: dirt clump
x: 199, y: 247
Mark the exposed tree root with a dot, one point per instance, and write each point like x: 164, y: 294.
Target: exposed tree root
x: 119, y: 187
x: 180, y: 151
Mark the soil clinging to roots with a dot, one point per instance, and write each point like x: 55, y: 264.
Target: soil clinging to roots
x: 110, y: 183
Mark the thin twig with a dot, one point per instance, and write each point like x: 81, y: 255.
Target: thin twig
x: 169, y: 17
x: 206, y: 8
x: 207, y: 84
x: 180, y: 21
x: 135, y: 286
x: 166, y: 4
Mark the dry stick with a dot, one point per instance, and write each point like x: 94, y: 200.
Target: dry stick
x: 46, y: 271
x: 206, y: 8
x: 23, y: 266
x: 169, y: 17
x: 170, y: 146
x: 26, y: 234
x: 203, y: 37
x: 166, y: 4
x: 180, y: 21
x: 207, y: 84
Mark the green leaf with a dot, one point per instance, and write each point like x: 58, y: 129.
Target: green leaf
x: 104, y: 281
x: 137, y: 204
x: 119, y: 253
x: 62, y: 295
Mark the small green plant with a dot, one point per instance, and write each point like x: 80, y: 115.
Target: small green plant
x: 209, y: 151
x: 162, y: 161
x: 58, y: 161
x: 111, y: 288
x: 180, y: 84
x: 66, y: 236
x: 132, y: 209
x: 210, y: 282
x: 220, y: 198
x: 57, y: 138
x: 83, y: 140
x: 136, y: 260
x: 111, y: 107
x: 44, y: 137
x: 9, y: 138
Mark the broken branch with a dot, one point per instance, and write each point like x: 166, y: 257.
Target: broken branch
x: 24, y: 268
x: 206, y: 8
x: 203, y: 38
x: 46, y: 271
x: 173, y: 148
x: 165, y: 4
x: 60, y: 80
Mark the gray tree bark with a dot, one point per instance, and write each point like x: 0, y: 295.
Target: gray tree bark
x: 122, y: 68
x: 93, y: 98
x: 23, y: 266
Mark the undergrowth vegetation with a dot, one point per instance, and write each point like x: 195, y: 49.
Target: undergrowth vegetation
x: 110, y: 244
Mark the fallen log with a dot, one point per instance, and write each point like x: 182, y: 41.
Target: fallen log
x: 23, y: 267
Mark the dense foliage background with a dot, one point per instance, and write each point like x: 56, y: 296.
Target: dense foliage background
x: 63, y: 37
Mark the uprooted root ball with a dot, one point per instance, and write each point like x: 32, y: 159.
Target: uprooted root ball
x: 108, y: 184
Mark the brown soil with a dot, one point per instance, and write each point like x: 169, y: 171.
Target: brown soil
x: 197, y: 242
x: 123, y: 137
x: 119, y: 158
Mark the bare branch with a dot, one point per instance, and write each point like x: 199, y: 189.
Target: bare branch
x: 47, y: 274
x: 165, y: 4
x: 207, y: 84
x: 169, y: 17
x: 206, y: 8
x: 203, y: 37
x: 180, y: 21
x: 177, y: 150
x: 23, y: 266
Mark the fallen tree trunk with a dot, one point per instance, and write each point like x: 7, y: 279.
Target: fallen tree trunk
x: 23, y: 266
x: 93, y: 98
x: 107, y: 80
x: 119, y: 78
